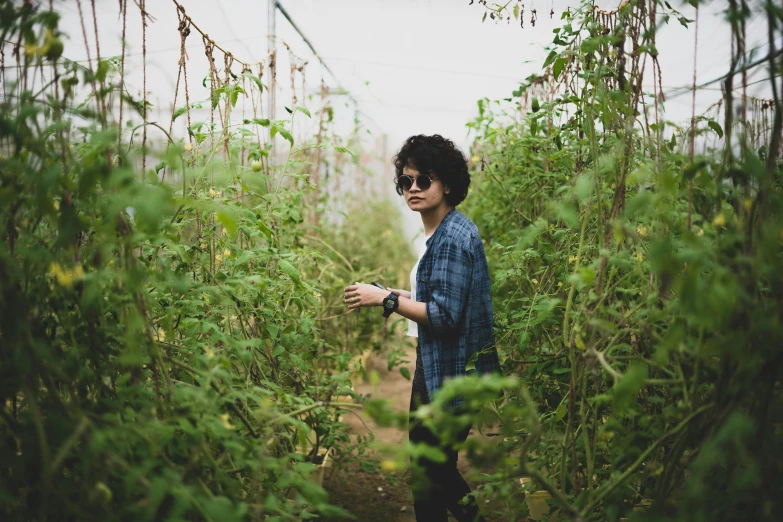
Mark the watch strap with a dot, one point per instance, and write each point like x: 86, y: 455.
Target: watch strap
x: 393, y: 298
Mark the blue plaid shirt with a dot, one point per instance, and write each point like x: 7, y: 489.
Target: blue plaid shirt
x: 453, y: 280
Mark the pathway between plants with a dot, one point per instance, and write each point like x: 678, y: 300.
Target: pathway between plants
x: 382, y: 496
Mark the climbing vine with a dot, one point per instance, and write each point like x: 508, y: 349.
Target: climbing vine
x: 637, y: 289
x: 170, y: 347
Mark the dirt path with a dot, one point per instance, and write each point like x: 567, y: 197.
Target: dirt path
x: 383, y: 496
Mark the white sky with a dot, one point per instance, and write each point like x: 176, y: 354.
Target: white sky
x: 415, y: 66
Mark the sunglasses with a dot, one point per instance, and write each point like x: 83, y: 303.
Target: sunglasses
x: 405, y: 182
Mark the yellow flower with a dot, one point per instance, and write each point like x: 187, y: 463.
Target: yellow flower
x: 559, y: 284
x: 535, y: 281
x: 209, y: 353
x: 475, y: 159
x: 389, y: 465
x: 218, y: 258
x: 719, y: 220
x: 188, y: 147
x: 226, y: 422
x: 639, y: 257
x: 700, y: 232
x: 31, y: 50
x: 161, y: 334
x: 223, y: 231
x: 56, y: 205
x: 227, y: 253
x: 572, y: 259
x: 57, y: 271
x: 212, y: 193
x: 65, y: 276
x: 641, y: 230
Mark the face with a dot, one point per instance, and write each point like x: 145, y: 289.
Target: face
x: 424, y: 200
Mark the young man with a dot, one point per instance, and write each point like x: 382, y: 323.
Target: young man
x: 450, y: 303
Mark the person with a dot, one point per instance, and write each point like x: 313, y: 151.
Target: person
x: 449, y: 309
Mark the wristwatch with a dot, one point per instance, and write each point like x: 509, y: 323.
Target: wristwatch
x: 390, y: 304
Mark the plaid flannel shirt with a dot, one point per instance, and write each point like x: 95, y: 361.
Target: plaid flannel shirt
x: 453, y: 280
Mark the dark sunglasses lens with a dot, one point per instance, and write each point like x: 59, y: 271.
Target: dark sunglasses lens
x: 423, y: 181
x: 404, y: 183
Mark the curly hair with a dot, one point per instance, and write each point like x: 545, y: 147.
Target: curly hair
x: 439, y: 156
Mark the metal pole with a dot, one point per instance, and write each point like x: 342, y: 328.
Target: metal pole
x: 271, y: 12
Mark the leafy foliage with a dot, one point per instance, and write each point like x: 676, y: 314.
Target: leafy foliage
x: 637, y: 289
x: 162, y: 356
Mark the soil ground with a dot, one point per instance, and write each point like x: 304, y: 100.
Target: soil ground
x: 382, y: 496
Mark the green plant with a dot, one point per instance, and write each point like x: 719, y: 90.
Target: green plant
x: 161, y: 356
x: 637, y: 285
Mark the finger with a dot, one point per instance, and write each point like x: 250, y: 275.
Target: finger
x: 349, y: 288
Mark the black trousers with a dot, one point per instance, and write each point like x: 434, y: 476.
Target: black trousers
x: 437, y: 486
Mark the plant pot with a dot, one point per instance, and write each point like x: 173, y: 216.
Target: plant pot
x: 316, y: 476
x: 536, y: 502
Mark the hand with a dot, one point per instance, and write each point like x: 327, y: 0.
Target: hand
x: 401, y: 293
x: 361, y: 294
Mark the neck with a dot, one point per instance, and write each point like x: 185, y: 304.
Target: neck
x: 432, y: 218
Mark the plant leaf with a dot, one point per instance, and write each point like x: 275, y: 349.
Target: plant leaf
x: 344, y: 150
x: 255, y: 79
x: 714, y: 125
x: 290, y: 270
x: 179, y: 112
x: 287, y: 135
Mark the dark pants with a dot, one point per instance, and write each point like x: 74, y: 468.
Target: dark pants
x: 437, y: 486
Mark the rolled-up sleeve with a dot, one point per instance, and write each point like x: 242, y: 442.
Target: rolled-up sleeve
x: 452, y: 270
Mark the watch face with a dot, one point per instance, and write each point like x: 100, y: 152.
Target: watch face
x: 388, y: 303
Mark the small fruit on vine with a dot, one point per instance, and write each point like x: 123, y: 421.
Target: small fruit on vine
x: 100, y: 494
x: 257, y: 166
x: 54, y: 49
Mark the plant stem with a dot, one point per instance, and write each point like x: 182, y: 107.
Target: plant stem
x: 613, y: 484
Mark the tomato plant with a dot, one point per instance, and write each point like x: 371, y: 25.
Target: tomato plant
x: 637, y: 284
x: 167, y: 351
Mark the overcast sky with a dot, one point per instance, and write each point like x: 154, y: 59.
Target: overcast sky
x: 414, y: 66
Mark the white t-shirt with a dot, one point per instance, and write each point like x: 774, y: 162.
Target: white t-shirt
x: 413, y: 326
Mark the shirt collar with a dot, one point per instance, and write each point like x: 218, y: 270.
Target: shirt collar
x: 442, y: 225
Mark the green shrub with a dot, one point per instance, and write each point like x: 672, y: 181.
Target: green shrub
x: 161, y: 353
x: 637, y: 287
